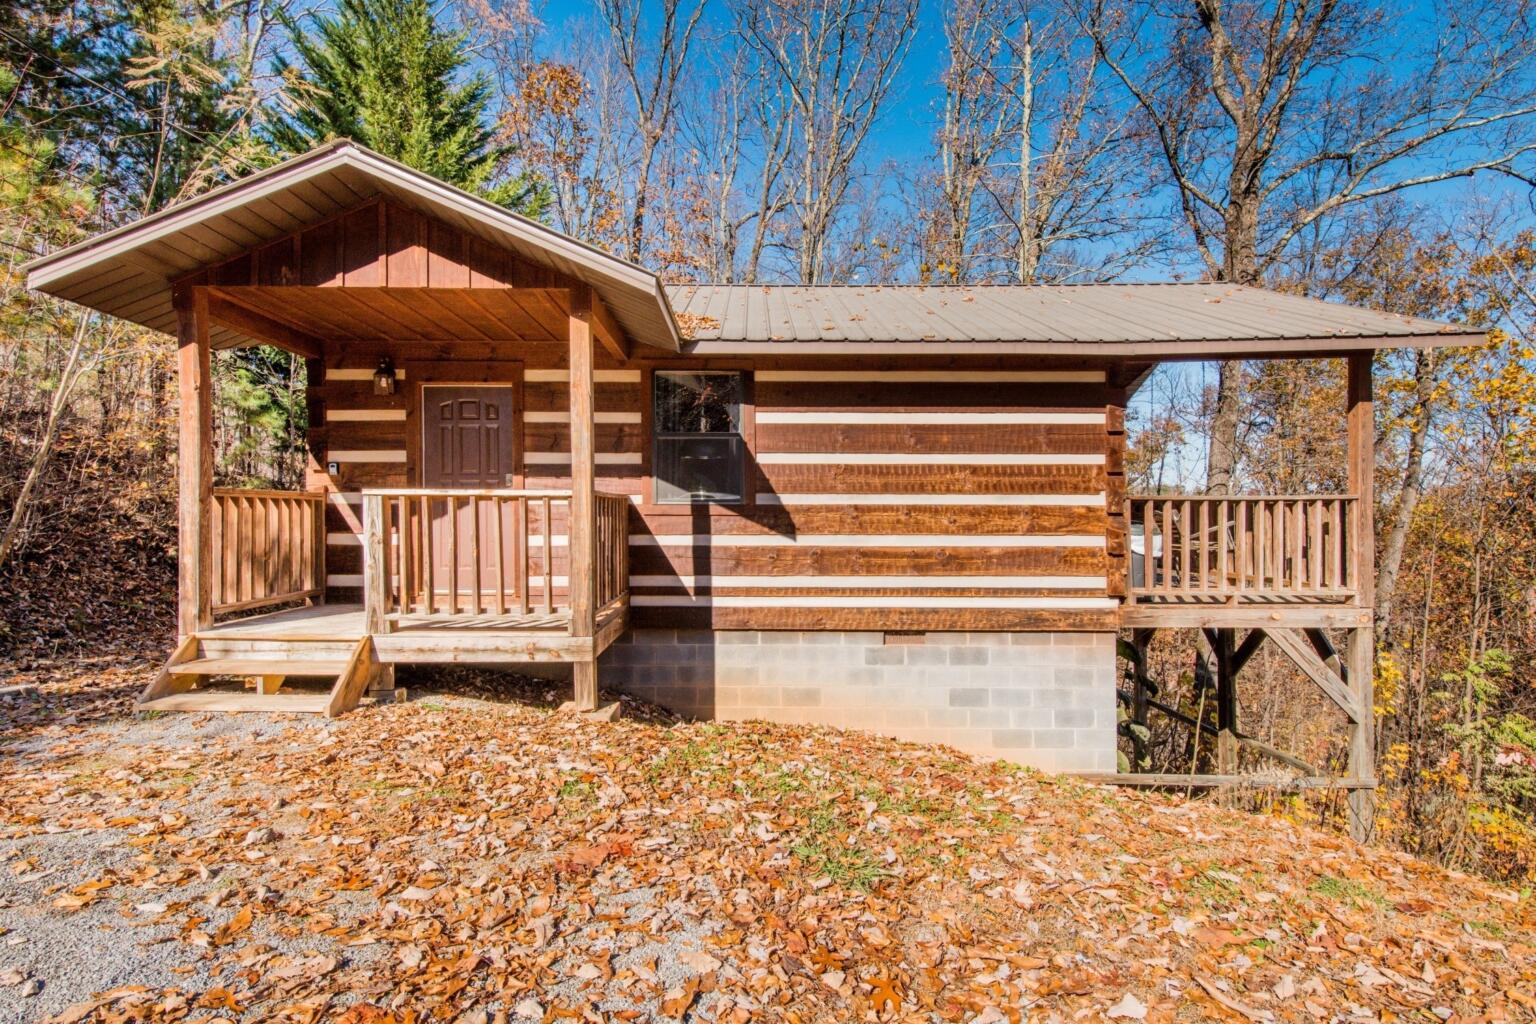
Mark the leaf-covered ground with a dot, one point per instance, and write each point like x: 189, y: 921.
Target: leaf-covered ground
x: 464, y: 859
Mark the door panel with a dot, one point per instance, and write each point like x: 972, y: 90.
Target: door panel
x: 467, y: 443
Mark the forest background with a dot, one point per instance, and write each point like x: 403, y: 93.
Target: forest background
x: 1371, y: 152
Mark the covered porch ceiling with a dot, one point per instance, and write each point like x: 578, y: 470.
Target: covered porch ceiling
x: 305, y: 319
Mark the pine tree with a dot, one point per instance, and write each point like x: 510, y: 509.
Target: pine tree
x: 385, y: 74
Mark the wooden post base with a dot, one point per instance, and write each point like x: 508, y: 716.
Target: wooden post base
x: 1362, y: 815
x: 610, y: 712
x: 382, y: 683
x: 584, y: 685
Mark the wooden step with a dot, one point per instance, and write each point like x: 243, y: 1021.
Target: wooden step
x: 350, y: 671
x: 276, y: 665
x: 218, y: 700
x: 221, y: 647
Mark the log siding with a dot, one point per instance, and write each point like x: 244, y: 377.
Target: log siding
x: 915, y: 498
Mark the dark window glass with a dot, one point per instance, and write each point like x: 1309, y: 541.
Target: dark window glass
x: 697, y: 424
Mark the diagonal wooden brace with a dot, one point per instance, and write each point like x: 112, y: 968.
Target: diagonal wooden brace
x: 1296, y: 647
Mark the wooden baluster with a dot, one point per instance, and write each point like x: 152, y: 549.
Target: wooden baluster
x: 1187, y: 546
x: 604, y: 547
x: 246, y: 569
x: 453, y: 555
x: 549, y: 557
x: 1223, y: 519
x: 1240, y: 509
x: 269, y: 559
x: 428, y: 558
x: 1283, y: 533
x: 410, y: 526
x: 258, y: 548
x: 520, y: 552
x: 477, y: 595
x: 295, y: 551
x: 403, y: 524
x: 1260, y: 538
x: 1165, y: 541
x: 274, y: 547
x: 1299, y: 546
x: 229, y: 553
x: 283, y: 574
x: 498, y: 507
x: 1336, y: 544
x: 304, y: 516
x: 1341, y: 541
x: 1203, y: 583
x: 1314, y: 545
x: 216, y: 532
x: 1277, y: 537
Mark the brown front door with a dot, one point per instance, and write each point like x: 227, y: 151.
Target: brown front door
x: 466, y: 436
x: 466, y: 444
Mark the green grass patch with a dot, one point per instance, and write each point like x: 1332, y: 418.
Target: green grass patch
x: 825, y: 850
x: 1347, y: 890
x: 1215, y: 891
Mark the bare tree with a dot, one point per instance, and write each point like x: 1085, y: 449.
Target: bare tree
x: 1038, y: 176
x: 828, y: 67
x: 652, y: 74
x: 979, y: 111
x: 740, y: 149
x: 1269, y: 123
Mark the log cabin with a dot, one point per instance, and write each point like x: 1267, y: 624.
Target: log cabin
x: 901, y: 509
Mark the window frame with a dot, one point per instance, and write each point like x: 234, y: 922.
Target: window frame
x: 746, y: 432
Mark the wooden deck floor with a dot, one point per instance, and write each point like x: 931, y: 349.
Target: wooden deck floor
x: 419, y: 638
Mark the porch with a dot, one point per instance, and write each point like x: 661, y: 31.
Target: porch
x: 1245, y: 560
x: 449, y: 576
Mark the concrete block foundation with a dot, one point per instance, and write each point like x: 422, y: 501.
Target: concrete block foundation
x: 1042, y: 699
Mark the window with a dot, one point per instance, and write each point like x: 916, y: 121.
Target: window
x: 697, y: 423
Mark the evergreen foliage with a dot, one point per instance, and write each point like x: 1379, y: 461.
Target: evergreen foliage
x: 385, y: 74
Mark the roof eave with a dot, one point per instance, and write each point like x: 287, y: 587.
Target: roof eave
x: 1248, y: 348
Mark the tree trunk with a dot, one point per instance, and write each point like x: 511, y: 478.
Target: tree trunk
x: 1239, y: 266
x: 1411, y: 492
x: 1028, y: 258
x: 44, y: 453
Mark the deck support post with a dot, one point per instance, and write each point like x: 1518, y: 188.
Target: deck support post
x: 1142, y: 694
x: 1360, y: 656
x: 1226, y: 699
x: 194, y: 483
x: 582, y: 517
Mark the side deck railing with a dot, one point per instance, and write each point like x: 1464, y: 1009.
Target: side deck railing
x: 268, y: 548
x: 448, y: 553
x: 1243, y: 548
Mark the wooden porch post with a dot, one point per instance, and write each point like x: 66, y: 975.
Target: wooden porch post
x: 194, y: 477
x: 580, y: 531
x: 375, y: 564
x: 1361, y: 652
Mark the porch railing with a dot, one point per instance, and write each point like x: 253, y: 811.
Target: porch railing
x: 1243, y: 548
x: 268, y: 548
x: 447, y: 553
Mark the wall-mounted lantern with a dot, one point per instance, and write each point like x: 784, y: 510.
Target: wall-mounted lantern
x: 384, y: 377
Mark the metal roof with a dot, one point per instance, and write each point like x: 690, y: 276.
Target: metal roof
x: 1156, y: 320
x: 128, y: 272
